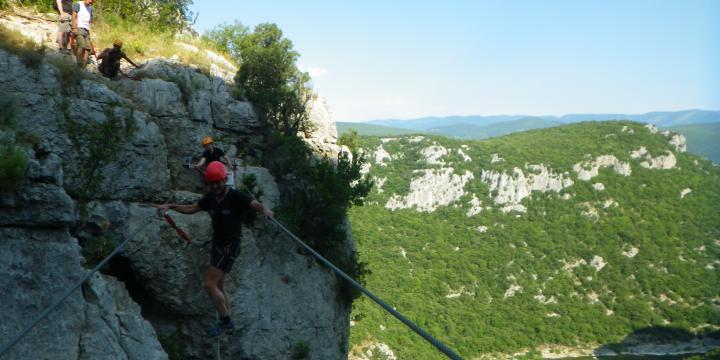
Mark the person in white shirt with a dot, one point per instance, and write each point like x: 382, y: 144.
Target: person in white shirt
x: 81, y: 21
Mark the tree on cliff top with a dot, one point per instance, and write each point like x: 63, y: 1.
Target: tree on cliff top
x: 268, y: 74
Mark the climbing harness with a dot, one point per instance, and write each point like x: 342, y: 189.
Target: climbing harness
x: 52, y: 307
x: 436, y: 343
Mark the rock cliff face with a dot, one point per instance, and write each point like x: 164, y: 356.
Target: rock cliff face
x: 281, y: 298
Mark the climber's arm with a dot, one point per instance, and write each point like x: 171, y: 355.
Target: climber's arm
x: 184, y: 209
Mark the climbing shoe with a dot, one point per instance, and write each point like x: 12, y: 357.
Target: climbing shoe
x: 221, y: 327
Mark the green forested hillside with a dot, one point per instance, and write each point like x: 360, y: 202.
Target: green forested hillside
x: 594, y: 256
x: 702, y: 139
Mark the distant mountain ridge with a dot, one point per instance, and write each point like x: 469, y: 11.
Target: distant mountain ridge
x: 472, y: 131
x: 659, y: 118
x: 701, y: 127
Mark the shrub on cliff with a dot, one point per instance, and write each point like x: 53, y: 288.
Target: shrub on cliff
x: 158, y: 14
x: 13, y: 160
x: 268, y: 74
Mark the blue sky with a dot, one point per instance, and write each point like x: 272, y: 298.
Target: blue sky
x: 406, y: 59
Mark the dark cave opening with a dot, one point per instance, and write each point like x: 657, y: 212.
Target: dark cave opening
x: 121, y: 268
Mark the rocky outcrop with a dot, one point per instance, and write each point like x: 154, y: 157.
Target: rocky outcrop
x: 114, y: 328
x: 679, y: 142
x: 588, y: 169
x: 40, y: 260
x: 436, y: 187
x: 270, y: 282
x: 512, y: 189
x: 321, y: 119
x: 662, y: 162
x: 380, y: 155
x: 281, y: 297
x: 433, y: 154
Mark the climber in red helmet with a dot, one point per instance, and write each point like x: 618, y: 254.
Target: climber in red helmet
x: 226, y: 207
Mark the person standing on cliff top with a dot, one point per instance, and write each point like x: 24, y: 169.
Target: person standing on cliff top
x: 64, y: 7
x: 226, y: 207
x: 82, y: 17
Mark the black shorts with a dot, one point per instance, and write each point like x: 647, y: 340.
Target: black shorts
x: 223, y: 254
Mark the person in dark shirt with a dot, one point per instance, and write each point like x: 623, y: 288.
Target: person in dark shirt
x: 211, y: 154
x: 226, y: 207
x: 64, y: 7
x: 110, y: 60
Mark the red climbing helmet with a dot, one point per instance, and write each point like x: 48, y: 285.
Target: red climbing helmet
x: 215, y: 172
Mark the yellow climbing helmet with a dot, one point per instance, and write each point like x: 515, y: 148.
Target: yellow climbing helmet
x: 207, y: 140
x: 117, y: 43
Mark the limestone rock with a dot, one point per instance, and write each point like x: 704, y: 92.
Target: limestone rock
x: 684, y: 192
x: 436, y: 187
x: 47, y: 169
x: 662, y: 162
x: 380, y: 155
x: 322, y: 137
x: 168, y: 266
x: 513, y: 207
x: 265, y: 183
x: 587, y: 170
x: 321, y: 118
x: 269, y: 298
x: 475, y: 206
x: 679, y: 142
x: 465, y: 156
x: 36, y: 94
x: 434, y: 154
x: 512, y: 189
x: 40, y: 264
x: 37, y: 205
x: 640, y: 152
x: 115, y: 328
x: 496, y: 158
x: 39, y: 29
x: 137, y: 170
x: 160, y: 98
x: 170, y: 109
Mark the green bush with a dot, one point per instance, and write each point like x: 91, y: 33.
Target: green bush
x: 14, y: 42
x: 13, y: 160
x: 301, y: 350
x: 316, y: 201
x: 268, y: 74
x: 68, y: 72
x: 39, y: 5
x: 95, y: 249
x: 160, y: 15
x: 351, y: 140
x: 228, y: 37
x: 97, y: 145
x: 174, y: 346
